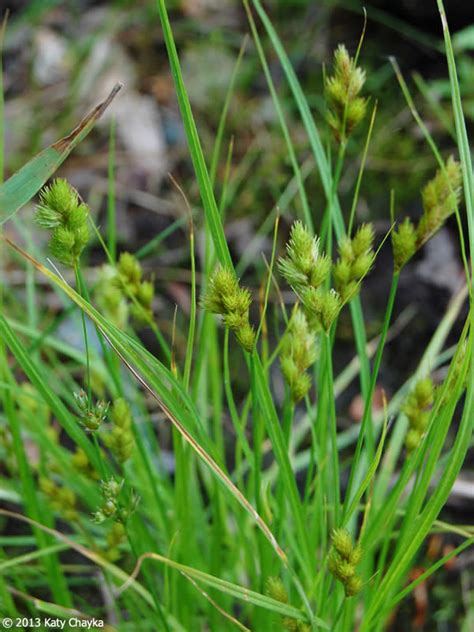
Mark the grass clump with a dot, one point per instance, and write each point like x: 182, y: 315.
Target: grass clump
x: 199, y: 492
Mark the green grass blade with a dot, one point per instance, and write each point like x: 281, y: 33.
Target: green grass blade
x: 461, y: 132
x: 229, y: 588
x: 28, y: 180
x: 205, y: 186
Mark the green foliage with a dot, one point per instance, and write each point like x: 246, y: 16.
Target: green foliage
x: 218, y: 481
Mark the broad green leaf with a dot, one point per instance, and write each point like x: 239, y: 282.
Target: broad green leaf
x: 28, y: 180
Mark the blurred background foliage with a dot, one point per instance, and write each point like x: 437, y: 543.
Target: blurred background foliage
x: 61, y: 57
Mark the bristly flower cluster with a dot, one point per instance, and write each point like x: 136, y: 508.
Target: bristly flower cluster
x: 140, y: 292
x: 61, y: 211
x: 110, y: 493
x: 356, y: 256
x: 91, y: 415
x: 417, y: 409
x: 298, y: 353
x: 122, y: 290
x: 63, y: 499
x: 346, y: 107
x: 114, y: 539
x: 120, y: 440
x: 440, y: 197
x: 343, y: 560
x: 306, y: 269
x: 225, y: 297
x: 305, y: 265
x: 114, y: 505
x: 276, y: 590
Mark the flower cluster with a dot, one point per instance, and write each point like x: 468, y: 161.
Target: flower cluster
x: 440, y: 198
x: 305, y: 266
x: 110, y: 492
x: 122, y: 290
x: 342, y: 89
x: 110, y: 298
x: 417, y: 409
x: 225, y: 297
x: 114, y: 539
x: 276, y: 590
x: 298, y: 352
x: 356, y: 256
x: 343, y: 561
x: 63, y: 499
x: 115, y: 504
x: 91, y: 415
x: 307, y: 269
x: 82, y: 464
x: 130, y: 280
x: 120, y: 440
x: 61, y: 211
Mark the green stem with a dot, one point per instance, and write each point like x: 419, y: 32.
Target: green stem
x: 366, y: 429
x: 79, y: 284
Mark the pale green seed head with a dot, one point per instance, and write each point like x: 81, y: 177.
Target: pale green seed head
x: 342, y: 542
x: 404, y: 243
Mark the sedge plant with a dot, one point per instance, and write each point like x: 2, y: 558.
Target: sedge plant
x: 211, y: 486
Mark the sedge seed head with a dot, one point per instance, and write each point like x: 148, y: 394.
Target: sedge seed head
x: 342, y: 542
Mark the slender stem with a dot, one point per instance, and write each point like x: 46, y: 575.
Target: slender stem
x: 366, y: 429
x: 79, y: 284
x: 335, y: 480
x: 111, y: 210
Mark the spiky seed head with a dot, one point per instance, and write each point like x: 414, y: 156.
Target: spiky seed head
x: 276, y: 589
x: 404, y: 243
x: 129, y: 268
x: 59, y: 196
x: 344, y: 570
x: 412, y: 440
x: 346, y: 251
x: 320, y: 270
x: 246, y: 337
x: 342, y: 542
x: 353, y: 586
x: 145, y: 294
x: 62, y: 245
x: 111, y: 488
x: 330, y: 306
x: 363, y: 240
x: 341, y: 273
x: 361, y: 266
x: 120, y: 413
x: 342, y: 89
x: 424, y: 392
x: 355, y: 555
